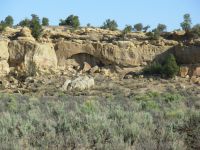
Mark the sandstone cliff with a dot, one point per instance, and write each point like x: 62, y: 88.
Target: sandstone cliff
x: 60, y: 49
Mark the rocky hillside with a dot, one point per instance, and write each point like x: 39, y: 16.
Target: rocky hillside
x: 89, y: 49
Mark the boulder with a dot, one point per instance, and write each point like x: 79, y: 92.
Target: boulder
x: 195, y: 80
x: 196, y: 72
x: 86, y: 67
x: 4, y: 83
x: 25, y: 34
x: 184, y: 71
x: 80, y: 83
x: 66, y: 85
x: 94, y: 69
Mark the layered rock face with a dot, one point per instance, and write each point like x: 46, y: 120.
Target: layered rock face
x: 4, y: 55
x: 32, y: 57
x: 187, y: 54
x: 189, y: 57
x: 86, y: 48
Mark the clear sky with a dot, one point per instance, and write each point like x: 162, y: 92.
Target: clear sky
x: 151, y: 12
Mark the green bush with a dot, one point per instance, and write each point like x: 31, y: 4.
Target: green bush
x: 186, y: 24
x: 154, y: 34
x: 145, y: 121
x: 35, y: 26
x: 9, y: 21
x: 110, y: 24
x: 72, y: 21
x: 195, y: 31
x: 138, y: 27
x: 25, y: 23
x: 127, y: 29
x: 146, y: 28
x: 45, y: 21
x: 168, y: 69
x: 161, y: 28
x: 154, y: 68
x: 2, y: 26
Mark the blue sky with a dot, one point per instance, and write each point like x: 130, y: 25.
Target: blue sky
x: 151, y: 12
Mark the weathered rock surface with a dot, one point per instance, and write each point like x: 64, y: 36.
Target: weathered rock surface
x: 83, y: 49
x: 184, y: 70
x: 187, y: 54
x: 80, y: 83
x: 32, y: 57
x: 4, y: 55
x: 190, y: 70
x: 25, y: 34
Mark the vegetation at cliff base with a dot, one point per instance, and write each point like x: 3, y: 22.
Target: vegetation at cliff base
x: 143, y: 121
x: 168, y: 68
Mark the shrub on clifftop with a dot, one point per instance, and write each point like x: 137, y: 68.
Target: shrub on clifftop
x: 45, y: 21
x: 110, y: 24
x: 186, y: 24
x: 25, y: 23
x: 9, y: 21
x: 127, y: 29
x: 72, y: 21
x: 35, y: 26
x: 138, y: 27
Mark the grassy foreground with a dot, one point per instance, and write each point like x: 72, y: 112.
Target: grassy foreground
x: 150, y: 121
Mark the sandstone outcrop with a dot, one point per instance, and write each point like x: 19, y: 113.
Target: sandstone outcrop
x: 4, y: 55
x: 187, y: 54
x: 83, y: 49
x: 32, y: 57
x: 25, y: 34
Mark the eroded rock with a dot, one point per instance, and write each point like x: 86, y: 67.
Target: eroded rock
x: 80, y: 83
x: 4, y: 55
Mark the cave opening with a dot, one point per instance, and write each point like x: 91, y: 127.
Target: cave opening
x: 81, y: 58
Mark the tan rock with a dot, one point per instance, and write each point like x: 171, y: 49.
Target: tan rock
x: 4, y: 55
x: 25, y: 34
x: 44, y: 57
x: 4, y: 68
x: 196, y: 71
x: 20, y: 52
x: 127, y: 55
x: 32, y: 57
x: 80, y: 83
x: 94, y: 69
x: 184, y: 71
x: 194, y: 80
x: 86, y: 67
x: 10, y: 31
